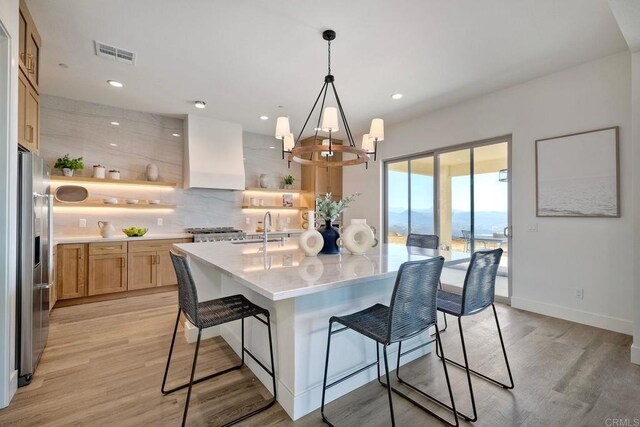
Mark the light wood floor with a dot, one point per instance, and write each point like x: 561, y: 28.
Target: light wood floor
x: 104, y: 362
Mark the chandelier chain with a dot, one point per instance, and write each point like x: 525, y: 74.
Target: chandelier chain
x: 329, y: 54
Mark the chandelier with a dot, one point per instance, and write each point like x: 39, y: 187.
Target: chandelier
x: 323, y: 147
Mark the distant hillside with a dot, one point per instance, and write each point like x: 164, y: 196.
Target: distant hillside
x: 422, y: 222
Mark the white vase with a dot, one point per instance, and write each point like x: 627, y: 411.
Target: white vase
x: 358, y: 237
x: 152, y: 172
x: 99, y: 171
x: 106, y: 229
x: 311, y: 242
x: 67, y: 172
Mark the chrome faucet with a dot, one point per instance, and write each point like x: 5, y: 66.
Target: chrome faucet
x: 266, y: 228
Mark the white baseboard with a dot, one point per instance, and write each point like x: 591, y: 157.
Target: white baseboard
x: 191, y: 332
x: 635, y: 354
x: 592, y: 319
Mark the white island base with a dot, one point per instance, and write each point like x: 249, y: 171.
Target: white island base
x: 301, y: 295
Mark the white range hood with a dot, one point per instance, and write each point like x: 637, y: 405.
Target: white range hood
x: 213, y: 154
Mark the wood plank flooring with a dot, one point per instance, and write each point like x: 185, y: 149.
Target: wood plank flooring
x: 104, y: 363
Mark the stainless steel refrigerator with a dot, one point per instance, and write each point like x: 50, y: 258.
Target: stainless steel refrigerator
x: 34, y: 263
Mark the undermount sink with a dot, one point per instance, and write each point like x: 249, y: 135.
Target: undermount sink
x: 248, y: 242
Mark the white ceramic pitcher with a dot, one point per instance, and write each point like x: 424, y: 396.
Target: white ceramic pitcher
x: 106, y: 229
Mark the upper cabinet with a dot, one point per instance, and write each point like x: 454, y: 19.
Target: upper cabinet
x: 28, y: 80
x: 29, y: 47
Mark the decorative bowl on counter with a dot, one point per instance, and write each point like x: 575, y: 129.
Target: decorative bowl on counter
x: 135, y: 231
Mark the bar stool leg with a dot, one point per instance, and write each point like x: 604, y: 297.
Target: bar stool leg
x: 193, y: 372
x: 386, y: 369
x: 504, y: 351
x: 326, y: 370
x: 173, y: 341
x: 466, y: 365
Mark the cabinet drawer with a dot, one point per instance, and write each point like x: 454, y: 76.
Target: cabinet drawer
x: 106, y: 248
x: 155, y: 245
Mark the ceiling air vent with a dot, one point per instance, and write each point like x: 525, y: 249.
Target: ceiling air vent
x: 114, y: 53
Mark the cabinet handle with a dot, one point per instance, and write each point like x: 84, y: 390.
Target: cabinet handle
x: 30, y: 137
x: 122, y: 262
x: 30, y: 64
x: 153, y: 260
x: 109, y: 248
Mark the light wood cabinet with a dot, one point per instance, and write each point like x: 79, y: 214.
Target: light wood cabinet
x: 98, y: 268
x: 319, y: 180
x: 71, y: 261
x: 150, y: 264
x: 28, y: 77
x: 107, y: 274
x: 143, y: 271
x: 29, y: 47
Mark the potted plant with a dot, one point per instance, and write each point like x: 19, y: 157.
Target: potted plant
x: 328, y: 209
x: 288, y: 182
x: 68, y: 165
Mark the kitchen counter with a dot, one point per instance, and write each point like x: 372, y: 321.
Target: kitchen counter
x: 118, y: 238
x: 301, y: 294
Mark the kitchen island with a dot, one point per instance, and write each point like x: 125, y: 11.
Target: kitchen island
x: 302, y: 293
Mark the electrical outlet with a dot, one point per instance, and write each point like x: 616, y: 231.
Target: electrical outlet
x: 160, y: 221
x: 533, y: 228
x: 247, y: 220
x: 580, y: 293
x: 83, y: 223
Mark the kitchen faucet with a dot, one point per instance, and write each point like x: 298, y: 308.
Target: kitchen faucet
x: 266, y: 228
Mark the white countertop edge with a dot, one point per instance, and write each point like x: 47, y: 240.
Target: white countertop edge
x: 119, y: 238
x: 287, y: 294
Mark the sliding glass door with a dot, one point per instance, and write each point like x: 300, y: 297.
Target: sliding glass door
x: 409, y: 198
x: 470, y: 209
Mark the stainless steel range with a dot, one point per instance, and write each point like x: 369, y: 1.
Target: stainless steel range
x: 216, y: 234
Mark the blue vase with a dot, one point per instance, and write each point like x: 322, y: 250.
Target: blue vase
x: 330, y: 236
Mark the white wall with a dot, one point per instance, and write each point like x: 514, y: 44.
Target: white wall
x: 565, y: 254
x: 8, y: 188
x: 635, y: 110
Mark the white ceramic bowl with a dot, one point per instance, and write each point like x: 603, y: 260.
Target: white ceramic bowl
x: 132, y: 201
x: 154, y: 202
x: 110, y: 201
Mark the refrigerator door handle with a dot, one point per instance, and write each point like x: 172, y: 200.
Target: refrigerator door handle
x: 50, y: 242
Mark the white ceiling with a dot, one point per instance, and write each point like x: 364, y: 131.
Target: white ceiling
x: 244, y: 58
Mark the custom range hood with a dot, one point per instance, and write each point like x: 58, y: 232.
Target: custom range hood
x: 213, y: 155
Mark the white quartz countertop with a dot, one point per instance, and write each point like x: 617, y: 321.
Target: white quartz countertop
x: 118, y: 238
x: 285, y: 272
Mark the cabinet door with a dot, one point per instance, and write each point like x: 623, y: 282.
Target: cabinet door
x: 32, y: 121
x: 33, y: 57
x: 107, y: 274
x: 23, y: 85
x: 71, y: 271
x: 22, y: 43
x: 166, y: 272
x: 142, y: 270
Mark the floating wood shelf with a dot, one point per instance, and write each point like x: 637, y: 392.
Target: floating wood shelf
x: 90, y: 180
x: 294, y: 208
x: 274, y: 190
x: 118, y: 205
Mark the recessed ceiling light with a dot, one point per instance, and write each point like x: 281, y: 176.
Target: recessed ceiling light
x: 200, y: 104
x: 175, y: 134
x: 272, y: 147
x: 264, y: 117
x: 396, y: 96
x: 113, y: 144
x: 317, y: 128
x: 115, y: 123
x: 115, y: 83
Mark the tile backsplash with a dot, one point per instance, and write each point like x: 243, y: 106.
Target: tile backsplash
x: 89, y: 130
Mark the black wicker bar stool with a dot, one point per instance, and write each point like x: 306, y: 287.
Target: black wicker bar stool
x: 412, y: 311
x: 211, y: 313
x: 477, y: 294
x: 427, y: 241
